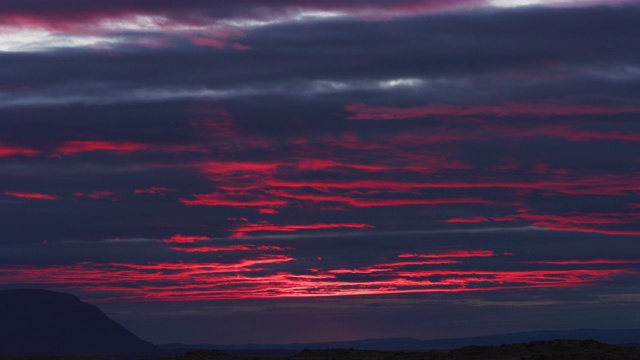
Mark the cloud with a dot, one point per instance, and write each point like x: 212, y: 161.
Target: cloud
x: 581, y: 222
x: 74, y: 147
x: 32, y: 195
x: 180, y: 239
x: 451, y: 254
x: 238, y: 199
x: 216, y: 249
x: 33, y: 27
x: 11, y: 150
x: 263, y: 226
x: 96, y: 195
x: 388, y: 152
x: 585, y: 262
x: 30, y: 26
x: 246, y: 279
x: 154, y: 190
x: 366, y: 112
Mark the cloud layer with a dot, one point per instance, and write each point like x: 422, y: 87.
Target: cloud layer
x: 379, y: 151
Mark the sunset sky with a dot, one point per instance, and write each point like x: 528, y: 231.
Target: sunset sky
x: 275, y: 171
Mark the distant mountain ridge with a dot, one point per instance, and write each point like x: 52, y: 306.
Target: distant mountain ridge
x: 537, y: 350
x: 623, y: 336
x: 39, y: 322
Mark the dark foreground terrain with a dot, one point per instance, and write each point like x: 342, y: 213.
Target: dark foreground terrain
x: 37, y: 322
x: 538, y: 350
x: 44, y: 325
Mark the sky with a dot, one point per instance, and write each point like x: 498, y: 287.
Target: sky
x: 300, y: 171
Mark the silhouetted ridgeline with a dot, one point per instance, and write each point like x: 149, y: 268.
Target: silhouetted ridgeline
x: 39, y: 322
x: 537, y: 350
x: 615, y: 337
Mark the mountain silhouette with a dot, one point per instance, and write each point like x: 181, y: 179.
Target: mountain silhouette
x: 39, y: 322
x: 610, y: 336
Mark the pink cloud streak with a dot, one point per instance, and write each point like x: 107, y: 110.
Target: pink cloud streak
x: 32, y: 195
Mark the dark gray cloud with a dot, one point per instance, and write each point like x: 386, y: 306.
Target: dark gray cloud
x: 556, y: 52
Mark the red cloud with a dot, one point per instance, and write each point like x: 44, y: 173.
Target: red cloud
x: 243, y: 229
x: 73, y: 147
x: 585, y: 185
x: 580, y: 222
x: 218, y: 43
x: 584, y: 262
x: 242, y: 167
x: 207, y: 249
x: 452, y: 254
x: 373, y: 202
x: 11, y: 150
x: 391, y: 267
x: 154, y: 190
x: 264, y: 277
x: 181, y: 239
x: 32, y: 195
x: 320, y: 164
x: 234, y: 199
x: 268, y: 211
x: 95, y: 195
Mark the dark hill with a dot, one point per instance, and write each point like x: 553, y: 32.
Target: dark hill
x: 40, y: 322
